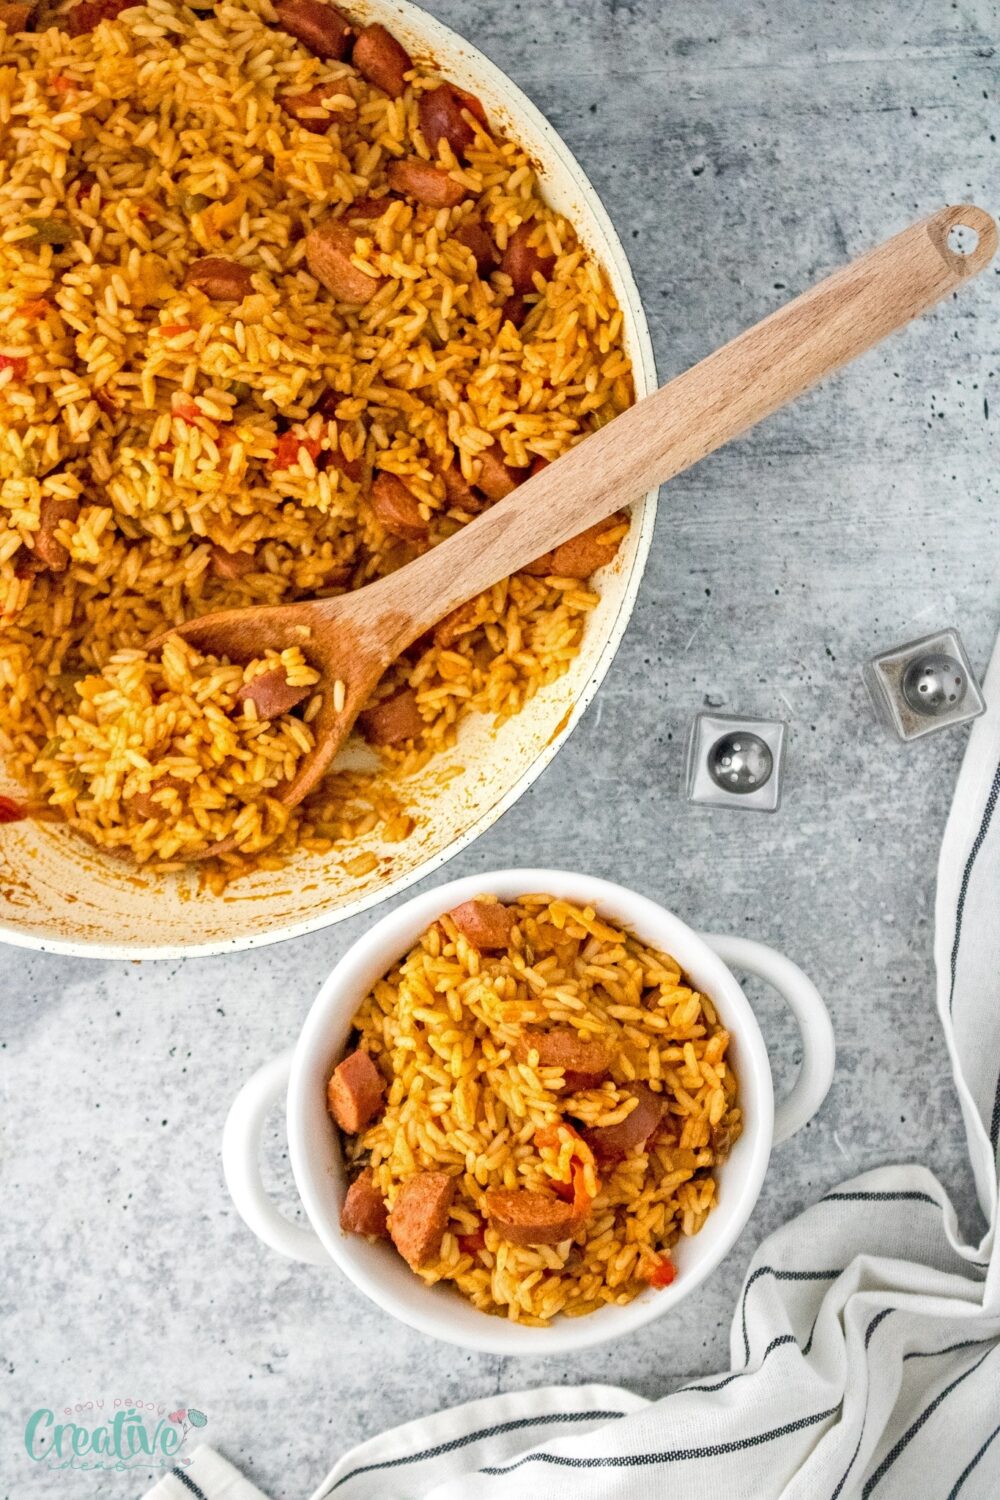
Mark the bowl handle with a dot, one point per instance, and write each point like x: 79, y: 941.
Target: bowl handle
x: 804, y: 1001
x: 241, y: 1164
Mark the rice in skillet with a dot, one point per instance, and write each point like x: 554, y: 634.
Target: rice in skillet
x: 535, y: 1104
x: 208, y: 399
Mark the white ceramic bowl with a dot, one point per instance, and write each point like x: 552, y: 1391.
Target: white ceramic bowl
x: 59, y: 895
x: 314, y: 1145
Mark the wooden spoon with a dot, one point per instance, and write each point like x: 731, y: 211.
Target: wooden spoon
x: 354, y: 638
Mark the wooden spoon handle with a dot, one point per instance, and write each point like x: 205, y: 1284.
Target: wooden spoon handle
x: 750, y: 377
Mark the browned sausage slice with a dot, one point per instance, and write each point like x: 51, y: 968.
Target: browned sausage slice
x: 148, y: 805
x: 441, y: 117
x: 219, y: 278
x: 364, y: 1210
x: 485, y: 924
x: 323, y: 29
x: 497, y: 478
x: 83, y: 18
x: 393, y: 720
x: 523, y: 1217
x: 367, y: 208
x: 271, y: 693
x: 420, y: 1215
x: 49, y: 551
x: 309, y: 108
x: 474, y: 237
x: 522, y: 260
x: 611, y: 1141
x: 455, y: 625
x: 231, y: 564
x: 458, y: 490
x: 382, y: 60
x: 418, y: 179
x: 584, y: 1060
x: 581, y: 555
x: 15, y: 17
x: 329, y: 249
x: 354, y: 1093
x: 514, y: 310
x: 397, y: 508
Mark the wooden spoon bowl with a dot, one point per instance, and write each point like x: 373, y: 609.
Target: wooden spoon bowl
x: 353, y: 639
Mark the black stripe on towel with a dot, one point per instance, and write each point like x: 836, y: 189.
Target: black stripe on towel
x: 869, y: 1332
x: 670, y: 1455
x: 911, y: 1195
x: 995, y: 1122
x: 915, y: 1427
x: 778, y: 1276
x: 189, y: 1484
x: 784, y: 1338
x: 951, y: 1349
x: 518, y: 1424
x: 963, y: 890
x: 973, y: 1461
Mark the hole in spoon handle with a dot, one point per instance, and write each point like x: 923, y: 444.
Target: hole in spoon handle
x: 965, y: 237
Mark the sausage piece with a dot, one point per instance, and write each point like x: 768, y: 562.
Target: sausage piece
x: 522, y: 260
x: 15, y: 17
x: 49, y: 551
x: 442, y: 118
x: 484, y: 924
x: 148, y: 805
x: 497, y: 478
x: 329, y: 248
x: 430, y: 185
x: 523, y: 1217
x: 420, y: 1215
x: 364, y: 1210
x: 382, y: 60
x: 88, y: 15
x: 309, y: 109
x: 609, y: 1142
x: 221, y: 279
x: 231, y: 564
x: 515, y: 310
x: 474, y: 237
x: 354, y: 1093
x: 393, y: 720
x: 396, y: 506
x: 584, y: 1060
x: 455, y: 625
x: 322, y: 29
x: 367, y: 208
x: 271, y: 693
x: 458, y: 490
x: 581, y: 555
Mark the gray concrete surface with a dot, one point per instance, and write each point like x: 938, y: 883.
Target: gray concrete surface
x: 743, y: 150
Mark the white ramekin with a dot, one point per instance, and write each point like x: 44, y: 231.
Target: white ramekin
x: 376, y: 1269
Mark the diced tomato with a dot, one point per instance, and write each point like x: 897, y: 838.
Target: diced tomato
x: 187, y: 411
x: 581, y: 1198
x: 61, y: 83
x: 549, y: 1134
x: 170, y: 330
x: 37, y: 307
x: 16, y: 362
x: 286, y: 451
x: 11, y: 811
x: 470, y: 1244
x: 662, y: 1272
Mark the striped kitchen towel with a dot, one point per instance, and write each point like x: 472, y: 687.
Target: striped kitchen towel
x: 865, y: 1349
x: 206, y: 1476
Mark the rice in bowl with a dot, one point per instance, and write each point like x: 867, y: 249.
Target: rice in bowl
x: 534, y: 1106
x: 166, y: 450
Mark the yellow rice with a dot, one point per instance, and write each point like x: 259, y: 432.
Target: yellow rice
x: 441, y: 1027
x: 156, y: 139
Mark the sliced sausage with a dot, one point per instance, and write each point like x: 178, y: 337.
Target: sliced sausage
x: 148, y: 805
x: 352, y: 467
x: 15, y: 17
x: 367, y: 208
x: 455, y: 625
x: 329, y: 248
x: 49, y: 551
x: 608, y: 1142
x: 458, y: 490
x: 364, y: 1210
x: 397, y: 508
x: 231, y: 564
x: 581, y: 555
x: 584, y: 1060
x: 420, y: 1215
x: 523, y: 1217
x: 88, y: 15
x: 515, y: 310
x: 484, y: 924
x: 393, y: 720
x: 222, y: 280
x: 382, y: 60
x: 309, y: 108
x: 271, y: 693
x: 323, y: 29
x: 430, y: 185
x: 474, y: 237
x: 442, y: 118
x: 522, y: 260
x: 354, y: 1093
x: 497, y: 478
